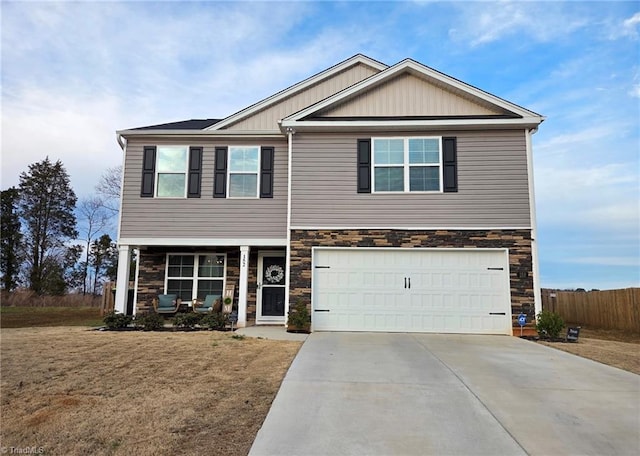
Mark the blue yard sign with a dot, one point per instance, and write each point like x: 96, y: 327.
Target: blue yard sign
x: 522, y: 319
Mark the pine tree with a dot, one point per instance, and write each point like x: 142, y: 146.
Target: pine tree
x: 10, y: 239
x: 46, y: 205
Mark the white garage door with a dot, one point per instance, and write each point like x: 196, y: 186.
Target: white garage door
x: 411, y: 290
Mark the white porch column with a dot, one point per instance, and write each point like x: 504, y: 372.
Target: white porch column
x: 122, y: 280
x: 243, y: 286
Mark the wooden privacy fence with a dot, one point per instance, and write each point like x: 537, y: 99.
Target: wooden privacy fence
x: 610, y: 309
x: 108, y: 303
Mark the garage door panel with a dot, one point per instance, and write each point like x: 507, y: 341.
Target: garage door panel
x: 450, y: 290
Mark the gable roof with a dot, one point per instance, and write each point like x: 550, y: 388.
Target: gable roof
x: 358, y: 59
x: 346, y: 103
x: 491, y: 109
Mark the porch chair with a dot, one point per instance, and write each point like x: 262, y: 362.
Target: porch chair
x: 166, y: 304
x: 207, y: 305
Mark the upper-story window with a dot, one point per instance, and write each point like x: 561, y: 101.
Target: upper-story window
x: 407, y: 164
x: 244, y: 171
x: 171, y: 171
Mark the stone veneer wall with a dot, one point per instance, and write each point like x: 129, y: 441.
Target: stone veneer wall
x: 517, y: 241
x: 153, y: 266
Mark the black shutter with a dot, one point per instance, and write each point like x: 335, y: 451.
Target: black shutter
x: 195, y: 172
x: 266, y: 172
x: 364, y: 166
x: 148, y: 171
x: 450, y: 164
x: 220, y: 173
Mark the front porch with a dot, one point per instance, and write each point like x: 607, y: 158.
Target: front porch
x: 255, y: 274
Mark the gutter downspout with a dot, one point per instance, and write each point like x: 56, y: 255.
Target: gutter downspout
x: 124, y: 251
x: 537, y: 297
x: 287, y: 277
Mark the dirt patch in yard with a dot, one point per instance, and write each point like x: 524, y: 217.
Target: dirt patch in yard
x: 616, y: 348
x: 77, y: 391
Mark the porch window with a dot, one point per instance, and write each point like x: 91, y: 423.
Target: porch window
x: 407, y: 164
x: 171, y: 171
x: 244, y: 168
x: 195, y: 275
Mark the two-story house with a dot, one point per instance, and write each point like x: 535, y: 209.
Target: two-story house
x: 386, y: 198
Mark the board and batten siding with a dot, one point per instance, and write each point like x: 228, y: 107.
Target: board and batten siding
x: 204, y: 217
x: 492, y: 185
x: 267, y: 118
x: 409, y: 95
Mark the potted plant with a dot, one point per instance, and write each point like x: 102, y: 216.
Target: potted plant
x: 299, y: 319
x: 227, y: 305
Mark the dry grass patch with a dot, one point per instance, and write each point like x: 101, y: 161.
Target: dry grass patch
x: 24, y: 317
x: 74, y: 391
x: 608, y: 346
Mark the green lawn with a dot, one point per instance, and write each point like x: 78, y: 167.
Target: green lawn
x: 23, y: 317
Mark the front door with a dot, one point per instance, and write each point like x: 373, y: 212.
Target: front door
x: 270, y: 305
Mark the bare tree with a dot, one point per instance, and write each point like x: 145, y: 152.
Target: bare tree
x: 94, y: 218
x: 108, y: 188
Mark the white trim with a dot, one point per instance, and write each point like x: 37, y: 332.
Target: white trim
x: 266, y: 134
x: 257, y: 172
x: 204, y: 242
x: 419, y: 70
x: 537, y: 295
x: 296, y: 88
x: 135, y: 282
x: 243, y: 285
x: 406, y: 165
x: 260, y: 319
x: 411, y: 228
x: 195, y: 277
x: 287, y: 276
x: 455, y: 249
x: 156, y: 177
x: 390, y: 125
x: 124, y: 158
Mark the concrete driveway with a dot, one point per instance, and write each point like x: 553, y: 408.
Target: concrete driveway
x: 402, y: 394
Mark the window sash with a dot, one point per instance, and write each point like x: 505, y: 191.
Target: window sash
x: 421, y: 165
x: 243, y: 179
x: 187, y: 274
x: 171, y: 171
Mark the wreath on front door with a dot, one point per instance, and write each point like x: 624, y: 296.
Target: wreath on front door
x: 274, y: 273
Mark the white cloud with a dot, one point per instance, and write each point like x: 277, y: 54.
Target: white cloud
x: 601, y: 198
x: 486, y: 22
x: 630, y: 25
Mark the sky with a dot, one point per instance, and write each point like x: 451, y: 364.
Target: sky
x: 75, y: 72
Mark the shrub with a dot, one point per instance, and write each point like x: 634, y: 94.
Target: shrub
x: 115, y: 320
x: 187, y: 320
x: 149, y: 321
x: 215, y: 320
x: 549, y: 324
x: 299, y: 317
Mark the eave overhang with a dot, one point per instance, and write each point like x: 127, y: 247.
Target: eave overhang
x: 409, y: 125
x: 199, y: 133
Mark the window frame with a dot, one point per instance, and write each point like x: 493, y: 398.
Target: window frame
x: 195, y: 277
x: 406, y: 165
x: 158, y: 172
x: 230, y: 172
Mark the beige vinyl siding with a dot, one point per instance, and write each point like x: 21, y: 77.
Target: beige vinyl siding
x: 267, y: 118
x: 492, y: 185
x: 205, y: 217
x: 409, y: 95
